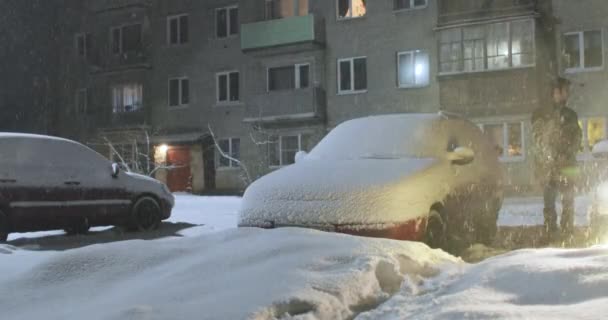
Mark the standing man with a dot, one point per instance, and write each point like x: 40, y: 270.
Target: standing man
x: 557, y: 140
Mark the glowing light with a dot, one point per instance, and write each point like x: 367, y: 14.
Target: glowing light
x: 163, y: 148
x: 419, y: 69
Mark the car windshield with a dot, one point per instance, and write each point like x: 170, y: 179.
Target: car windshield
x: 383, y: 137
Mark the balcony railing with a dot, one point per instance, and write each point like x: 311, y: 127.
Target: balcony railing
x: 109, y: 5
x: 290, y: 105
x: 282, y: 32
x: 127, y: 119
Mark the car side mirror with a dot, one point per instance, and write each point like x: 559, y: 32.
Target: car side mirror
x: 461, y: 156
x: 300, y: 155
x: 115, y: 170
x: 600, y: 150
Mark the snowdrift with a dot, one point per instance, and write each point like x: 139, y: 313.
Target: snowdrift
x: 236, y: 274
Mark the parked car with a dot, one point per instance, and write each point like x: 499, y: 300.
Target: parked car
x: 430, y: 177
x: 598, y: 213
x: 52, y: 183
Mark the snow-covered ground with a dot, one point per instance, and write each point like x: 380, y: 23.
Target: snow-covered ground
x: 218, y: 272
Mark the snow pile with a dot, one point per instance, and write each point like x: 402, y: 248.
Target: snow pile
x: 530, y: 284
x: 209, y: 213
x: 235, y: 274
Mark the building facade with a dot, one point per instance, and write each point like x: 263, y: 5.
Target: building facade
x: 210, y: 95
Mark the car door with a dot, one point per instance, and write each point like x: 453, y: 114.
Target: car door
x: 103, y: 198
x: 35, y: 184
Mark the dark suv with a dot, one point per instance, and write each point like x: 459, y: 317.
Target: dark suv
x: 51, y: 183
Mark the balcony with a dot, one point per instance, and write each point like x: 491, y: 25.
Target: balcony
x: 465, y: 11
x: 113, y: 5
x: 302, y: 105
x: 298, y: 32
x: 127, y: 119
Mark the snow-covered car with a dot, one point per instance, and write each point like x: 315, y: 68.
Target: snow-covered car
x: 52, y: 183
x: 430, y: 177
x: 598, y: 219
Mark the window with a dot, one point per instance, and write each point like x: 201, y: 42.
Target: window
x: 179, y: 92
x: 278, y: 9
x: 508, y: 138
x: 282, y: 151
x: 289, y: 78
x: 594, y: 130
x: 83, y: 44
x: 583, y: 50
x: 178, y: 30
x: 231, y: 148
x: 127, y: 98
x: 490, y: 47
x: 413, y: 69
x: 348, y: 9
x: 228, y: 87
x: 127, y: 39
x: 352, y: 75
x: 227, y: 21
x: 82, y: 101
x: 409, y: 4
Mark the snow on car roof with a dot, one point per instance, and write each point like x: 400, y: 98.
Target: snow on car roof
x: 6, y: 135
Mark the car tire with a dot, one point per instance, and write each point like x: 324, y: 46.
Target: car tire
x: 3, y: 227
x: 146, y: 215
x: 81, y: 226
x: 436, y: 232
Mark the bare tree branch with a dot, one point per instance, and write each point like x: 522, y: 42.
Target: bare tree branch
x: 224, y: 155
x: 122, y: 160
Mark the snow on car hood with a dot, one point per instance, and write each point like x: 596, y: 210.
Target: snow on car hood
x: 365, y: 191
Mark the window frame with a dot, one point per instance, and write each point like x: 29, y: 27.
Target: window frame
x: 413, y: 54
x: 412, y: 7
x: 231, y: 164
x: 229, y: 30
x: 86, y: 100
x: 352, y: 72
x: 181, y: 104
x: 120, y: 28
x: 84, y: 36
x: 297, y: 75
x: 350, y: 6
x: 581, y: 43
x: 485, y: 49
x: 122, y: 86
x: 505, y: 157
x: 228, y: 90
x: 279, y: 145
x: 177, y: 17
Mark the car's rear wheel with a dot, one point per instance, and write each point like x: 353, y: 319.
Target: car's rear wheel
x: 3, y: 227
x: 146, y: 215
x: 81, y: 226
x: 435, y: 235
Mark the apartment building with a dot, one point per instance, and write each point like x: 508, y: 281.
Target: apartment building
x: 209, y: 95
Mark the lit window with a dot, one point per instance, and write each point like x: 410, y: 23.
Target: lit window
x: 228, y: 87
x: 413, y: 69
x: 489, y: 47
x: 352, y: 75
x: 178, y: 29
x: 583, y: 50
x: 594, y: 131
x: 232, y: 151
x: 127, y: 98
x: 289, y: 77
x: 508, y: 138
x: 409, y: 4
x: 179, y: 92
x: 348, y: 9
x: 227, y: 22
